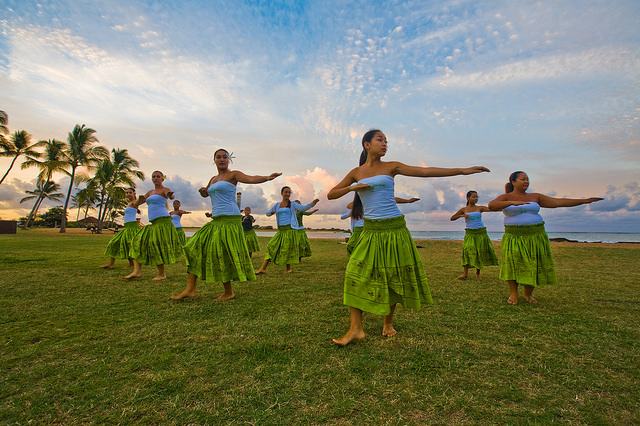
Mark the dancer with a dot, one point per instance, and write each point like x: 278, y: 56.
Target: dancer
x: 176, y: 217
x: 249, y: 232
x: 119, y: 245
x: 357, y: 218
x: 218, y: 251
x: 303, y: 239
x: 477, y: 250
x: 283, y: 248
x: 384, y: 268
x: 526, y: 251
x: 158, y: 243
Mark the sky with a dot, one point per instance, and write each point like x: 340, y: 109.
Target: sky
x: 549, y: 87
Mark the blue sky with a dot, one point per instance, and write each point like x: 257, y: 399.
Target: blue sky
x: 548, y: 87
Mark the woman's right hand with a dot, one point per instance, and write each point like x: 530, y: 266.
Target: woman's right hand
x: 360, y: 187
x: 203, y: 192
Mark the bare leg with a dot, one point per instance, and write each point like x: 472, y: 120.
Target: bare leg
x: 356, y: 331
x: 161, y: 275
x: 478, y: 273
x: 387, y: 329
x: 528, y: 290
x: 228, y: 292
x: 130, y: 263
x: 109, y: 265
x: 464, y: 274
x: 137, y: 271
x: 263, y: 268
x: 288, y: 269
x: 190, y: 291
x: 513, y: 297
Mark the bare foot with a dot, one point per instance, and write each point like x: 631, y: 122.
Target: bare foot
x: 462, y: 277
x: 225, y: 296
x: 288, y: 271
x: 184, y: 295
x: 388, y: 331
x: 349, y: 337
x: 159, y: 278
x: 512, y: 301
x: 107, y: 266
x: 260, y: 272
x: 132, y: 276
x: 530, y: 299
x: 478, y: 275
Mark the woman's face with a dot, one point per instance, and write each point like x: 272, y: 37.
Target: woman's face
x: 247, y: 210
x: 522, y: 182
x: 176, y: 205
x: 221, y: 159
x: 156, y: 178
x: 131, y: 195
x: 378, y: 144
x: 473, y: 198
x: 286, y: 194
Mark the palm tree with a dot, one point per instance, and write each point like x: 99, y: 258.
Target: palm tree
x: 87, y: 198
x: 4, y: 119
x: 20, y: 144
x: 44, y: 191
x: 111, y: 174
x: 52, y: 163
x: 80, y: 152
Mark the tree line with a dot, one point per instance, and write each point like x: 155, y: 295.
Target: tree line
x: 81, y: 158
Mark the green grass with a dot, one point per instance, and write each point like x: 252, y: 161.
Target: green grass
x: 80, y: 345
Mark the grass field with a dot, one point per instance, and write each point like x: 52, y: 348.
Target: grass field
x: 80, y: 345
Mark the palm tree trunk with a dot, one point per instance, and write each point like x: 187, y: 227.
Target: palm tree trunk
x: 10, y: 167
x: 63, y: 223
x: 33, y: 211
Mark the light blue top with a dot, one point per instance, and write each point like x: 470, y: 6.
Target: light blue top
x: 525, y: 214
x: 473, y: 220
x: 379, y: 202
x: 157, y: 206
x: 130, y: 214
x: 223, y: 199
x: 355, y: 223
x: 287, y: 216
x: 175, y: 219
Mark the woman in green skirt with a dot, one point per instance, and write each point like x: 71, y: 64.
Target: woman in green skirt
x: 176, y: 219
x: 303, y: 239
x: 249, y: 232
x: 158, y: 243
x: 477, y: 250
x: 384, y: 268
x: 284, y: 247
x: 120, y: 244
x: 218, y: 251
x: 526, y: 251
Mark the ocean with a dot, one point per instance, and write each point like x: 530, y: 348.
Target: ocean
x: 589, y: 237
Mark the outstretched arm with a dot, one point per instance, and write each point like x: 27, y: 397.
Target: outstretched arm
x: 243, y: 178
x: 502, y: 202
x: 406, y: 200
x: 552, y: 202
x: 460, y: 213
x: 415, y: 171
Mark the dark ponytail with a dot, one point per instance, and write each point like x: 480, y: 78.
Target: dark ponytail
x: 512, y: 178
x: 469, y: 195
x: 357, y: 211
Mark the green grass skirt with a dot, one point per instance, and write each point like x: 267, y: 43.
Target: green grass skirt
x: 526, y: 255
x: 303, y: 243
x: 353, y: 239
x: 157, y: 243
x: 283, y: 248
x: 477, y: 250
x: 181, y: 236
x: 385, y: 268
x: 252, y: 241
x: 119, y: 246
x: 218, y: 251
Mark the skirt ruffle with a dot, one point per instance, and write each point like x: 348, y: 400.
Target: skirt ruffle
x: 477, y: 250
x: 385, y: 268
x: 182, y: 237
x: 303, y: 243
x: 526, y: 255
x: 354, y: 239
x: 157, y: 243
x: 283, y: 248
x: 218, y: 251
x: 120, y: 245
x: 252, y: 241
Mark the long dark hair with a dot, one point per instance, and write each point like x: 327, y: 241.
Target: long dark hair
x: 357, y: 211
x: 512, y: 178
x: 469, y: 195
x: 289, y: 200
